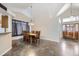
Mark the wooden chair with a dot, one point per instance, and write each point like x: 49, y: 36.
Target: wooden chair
x: 75, y: 36
x: 26, y: 37
x: 38, y: 36
x: 33, y: 32
x: 36, y: 39
x: 64, y: 34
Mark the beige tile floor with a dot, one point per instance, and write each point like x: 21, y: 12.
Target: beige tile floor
x: 45, y: 48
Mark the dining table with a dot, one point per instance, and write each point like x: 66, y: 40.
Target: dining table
x: 31, y: 35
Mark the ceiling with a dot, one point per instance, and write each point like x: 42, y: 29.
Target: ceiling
x: 22, y: 8
x: 72, y: 10
x: 17, y: 5
x: 50, y: 8
x: 46, y: 9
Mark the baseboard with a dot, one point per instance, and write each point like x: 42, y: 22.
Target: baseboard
x: 50, y: 39
x: 6, y: 51
x: 17, y: 37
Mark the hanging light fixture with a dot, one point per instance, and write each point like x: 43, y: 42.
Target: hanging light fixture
x: 30, y: 25
x: 71, y: 11
x: 72, y: 17
x: 31, y: 21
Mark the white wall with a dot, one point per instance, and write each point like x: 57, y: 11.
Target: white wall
x: 44, y: 21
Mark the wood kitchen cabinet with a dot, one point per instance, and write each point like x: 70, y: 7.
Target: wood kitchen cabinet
x: 4, y: 21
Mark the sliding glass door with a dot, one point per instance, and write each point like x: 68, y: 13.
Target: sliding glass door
x: 18, y: 27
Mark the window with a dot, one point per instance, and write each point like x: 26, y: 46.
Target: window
x: 18, y: 27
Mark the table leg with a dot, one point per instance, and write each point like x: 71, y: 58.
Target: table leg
x: 30, y: 40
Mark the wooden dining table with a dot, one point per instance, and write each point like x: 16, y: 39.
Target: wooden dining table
x: 31, y: 35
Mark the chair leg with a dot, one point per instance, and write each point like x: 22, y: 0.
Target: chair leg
x: 37, y: 42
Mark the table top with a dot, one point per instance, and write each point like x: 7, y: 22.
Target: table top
x: 32, y: 34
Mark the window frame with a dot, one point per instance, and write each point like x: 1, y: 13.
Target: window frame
x: 16, y: 27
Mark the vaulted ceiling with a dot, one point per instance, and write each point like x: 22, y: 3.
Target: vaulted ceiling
x: 49, y: 10
x: 73, y: 10
x: 25, y: 8
x: 19, y: 7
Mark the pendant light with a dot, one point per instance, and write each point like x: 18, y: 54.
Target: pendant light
x: 71, y: 16
x: 31, y: 23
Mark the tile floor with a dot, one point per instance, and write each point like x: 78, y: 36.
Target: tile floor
x: 45, y: 48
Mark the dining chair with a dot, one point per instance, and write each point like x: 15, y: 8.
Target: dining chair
x: 26, y: 37
x: 37, y: 37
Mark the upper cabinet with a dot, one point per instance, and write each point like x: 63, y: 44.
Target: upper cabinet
x: 4, y: 21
